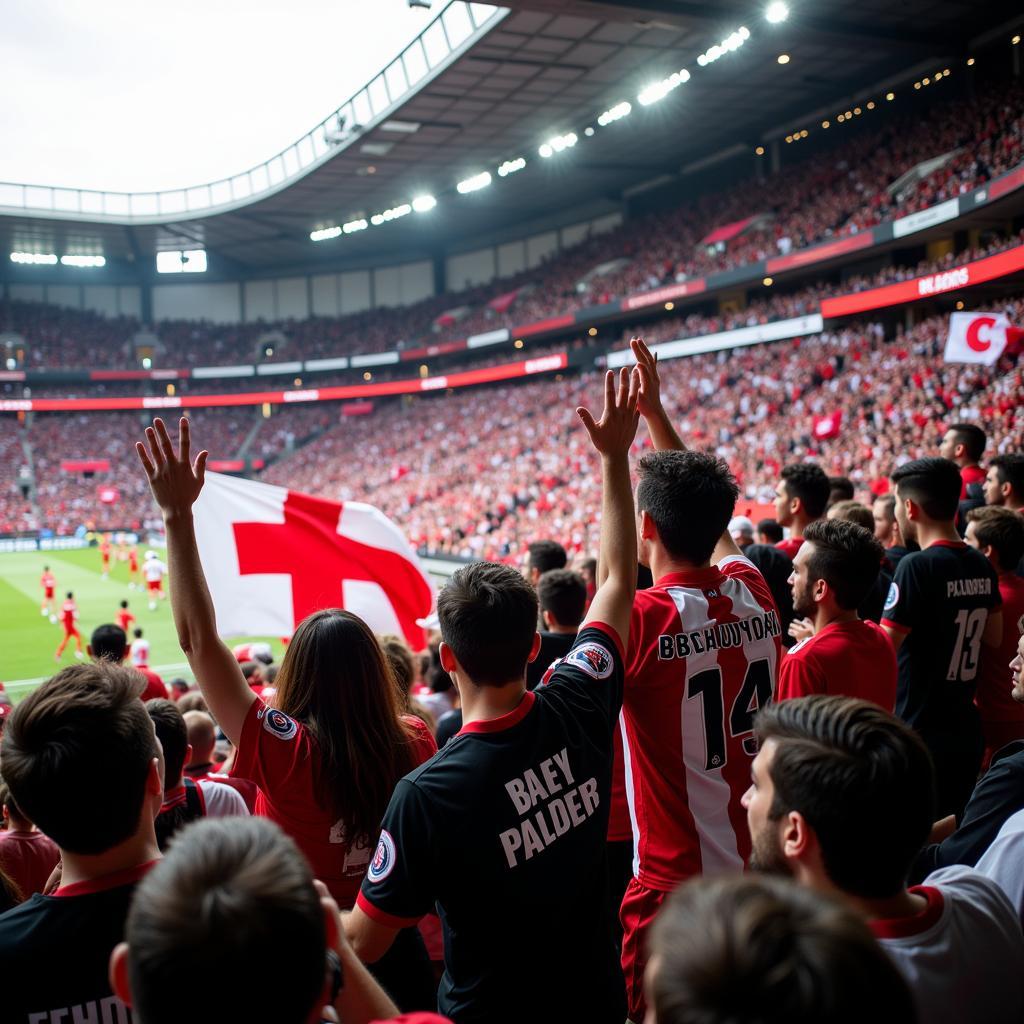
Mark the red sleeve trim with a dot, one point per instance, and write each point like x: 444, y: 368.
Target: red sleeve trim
x: 889, y: 624
x: 382, y: 916
x: 506, y: 721
x: 916, y: 924
x: 247, y: 752
x: 612, y: 635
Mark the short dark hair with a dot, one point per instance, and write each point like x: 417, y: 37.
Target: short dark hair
x: 488, y: 615
x: 563, y: 594
x: 109, y: 642
x: 228, y: 890
x: 852, y: 512
x: 972, y: 437
x: 70, y: 594
x: 8, y: 801
x: 546, y: 555
x: 250, y: 668
x: 82, y: 732
x: 690, y: 496
x: 124, y: 604
x: 1002, y: 529
x: 137, y: 632
x: 1010, y: 470
x: 840, y: 488
x: 171, y: 731
x: 808, y: 482
x: 846, y: 556
x: 770, y: 529
x: 762, y: 950
x: 855, y: 772
x: 933, y: 483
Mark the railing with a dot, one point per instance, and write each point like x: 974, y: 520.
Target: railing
x: 453, y: 31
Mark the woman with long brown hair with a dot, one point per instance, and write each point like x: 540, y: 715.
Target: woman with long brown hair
x: 328, y: 753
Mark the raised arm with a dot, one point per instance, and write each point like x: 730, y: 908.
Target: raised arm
x: 176, y: 482
x: 612, y: 437
x: 663, y: 434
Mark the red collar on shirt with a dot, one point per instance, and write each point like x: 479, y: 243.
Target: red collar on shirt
x: 506, y: 721
x: 690, y: 577
x: 947, y: 544
x: 905, y: 927
x: 104, y: 882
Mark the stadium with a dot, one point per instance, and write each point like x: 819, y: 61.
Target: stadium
x: 782, y: 246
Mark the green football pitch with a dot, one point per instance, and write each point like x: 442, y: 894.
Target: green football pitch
x: 28, y: 640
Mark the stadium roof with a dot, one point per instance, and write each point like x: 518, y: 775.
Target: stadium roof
x: 529, y: 71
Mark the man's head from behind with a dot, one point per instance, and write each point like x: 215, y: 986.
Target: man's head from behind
x: 758, y: 950
x: 488, y: 615
x: 1004, y: 481
x: 998, y: 533
x: 835, y: 567
x: 842, y: 795
x: 927, y: 493
x: 684, y: 500
x: 202, y: 736
x: 963, y: 443
x: 545, y: 555
x: 171, y: 731
x: 228, y: 890
x: 801, y: 494
x: 108, y: 643
x: 562, y: 594
x: 82, y: 760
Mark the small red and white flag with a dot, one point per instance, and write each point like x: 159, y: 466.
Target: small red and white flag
x: 273, y: 556
x: 824, y: 427
x: 979, y: 337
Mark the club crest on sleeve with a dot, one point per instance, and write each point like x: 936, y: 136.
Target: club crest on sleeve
x: 591, y: 658
x: 278, y: 724
x: 383, y: 861
x: 893, y: 597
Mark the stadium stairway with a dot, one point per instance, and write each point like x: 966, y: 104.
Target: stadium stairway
x: 243, y: 448
x: 26, y: 447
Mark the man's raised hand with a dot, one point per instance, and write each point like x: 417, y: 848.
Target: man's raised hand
x: 650, y: 382
x: 174, y: 479
x: 614, y: 432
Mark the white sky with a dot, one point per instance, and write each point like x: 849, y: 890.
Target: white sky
x: 139, y: 95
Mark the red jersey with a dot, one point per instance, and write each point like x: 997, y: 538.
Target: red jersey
x: 704, y: 649
x: 154, y: 684
x: 282, y: 758
x: 48, y: 581
x: 970, y: 475
x: 133, y: 560
x: 105, y: 552
x: 124, y: 618
x: 852, y: 659
x: 994, y: 681
x: 28, y: 858
x: 68, y: 612
x: 790, y: 546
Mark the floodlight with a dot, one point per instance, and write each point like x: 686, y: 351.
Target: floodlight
x: 776, y: 12
x: 77, y: 260
x: 354, y: 225
x: 475, y: 183
x: 322, y: 234
x: 511, y: 166
x: 422, y: 204
x: 39, y: 259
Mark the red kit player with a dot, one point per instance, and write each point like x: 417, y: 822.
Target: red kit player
x: 69, y: 617
x: 124, y: 617
x: 105, y: 550
x: 48, y: 582
x: 133, y: 568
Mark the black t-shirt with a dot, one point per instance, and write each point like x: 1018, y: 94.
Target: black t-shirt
x: 505, y: 830
x: 940, y: 598
x: 55, y: 951
x: 872, y: 606
x: 776, y: 568
x: 552, y: 647
x: 448, y: 726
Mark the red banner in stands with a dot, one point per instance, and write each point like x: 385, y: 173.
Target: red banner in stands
x: 551, y: 324
x: 862, y: 240
x: 1008, y: 183
x: 138, y: 374
x: 672, y: 291
x: 441, y: 349
x: 86, y: 465
x: 467, y: 378
x: 357, y: 409
x: 226, y: 465
x: 987, y: 269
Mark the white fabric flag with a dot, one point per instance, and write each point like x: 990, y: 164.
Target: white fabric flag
x: 976, y: 337
x: 273, y: 556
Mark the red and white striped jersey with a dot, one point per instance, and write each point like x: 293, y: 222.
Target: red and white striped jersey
x: 704, y: 650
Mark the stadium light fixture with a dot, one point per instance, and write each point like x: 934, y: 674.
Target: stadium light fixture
x: 871, y: 104
x: 402, y: 210
x: 189, y: 261
x: 616, y: 113
x: 659, y: 90
x: 511, y: 166
x: 322, y: 234
x: 970, y: 62
x: 783, y: 58
x: 147, y: 363
x: 588, y: 131
x: 558, y: 144
x: 474, y: 184
x: 78, y: 260
x: 731, y: 42
x: 759, y: 151
x: 890, y: 96
x: 355, y: 225
x: 825, y: 124
x: 423, y: 204
x: 36, y: 259
x: 776, y: 12
x: 1015, y: 40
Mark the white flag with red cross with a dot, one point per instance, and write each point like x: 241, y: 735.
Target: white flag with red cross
x: 273, y: 556
x: 979, y: 337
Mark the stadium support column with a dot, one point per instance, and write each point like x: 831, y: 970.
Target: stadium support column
x: 440, y: 282
x: 146, y: 300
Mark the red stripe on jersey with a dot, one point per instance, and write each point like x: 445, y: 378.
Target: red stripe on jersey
x: 381, y: 916
x: 916, y: 924
x: 105, y: 882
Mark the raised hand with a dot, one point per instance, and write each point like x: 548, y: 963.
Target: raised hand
x: 614, y: 432
x: 650, y: 382
x: 174, y: 479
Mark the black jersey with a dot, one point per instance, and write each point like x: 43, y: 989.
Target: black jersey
x: 940, y: 598
x: 55, y: 951
x: 504, y: 829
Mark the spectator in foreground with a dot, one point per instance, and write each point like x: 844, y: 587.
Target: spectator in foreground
x: 82, y: 760
x: 516, y: 806
x: 327, y: 755
x: 544, y: 555
x: 1004, y: 482
x: 871, y: 607
x: 831, y: 777
x: 562, y: 595
x: 110, y: 643
x: 758, y: 950
x: 223, y: 896
x: 801, y: 496
x: 943, y: 607
x: 27, y: 856
x: 833, y: 571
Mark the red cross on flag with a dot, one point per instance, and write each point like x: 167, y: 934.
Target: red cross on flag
x: 273, y: 556
x: 978, y: 337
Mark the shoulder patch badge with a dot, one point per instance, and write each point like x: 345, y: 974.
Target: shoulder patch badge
x: 383, y: 862
x: 592, y: 658
x: 893, y: 597
x: 278, y: 724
